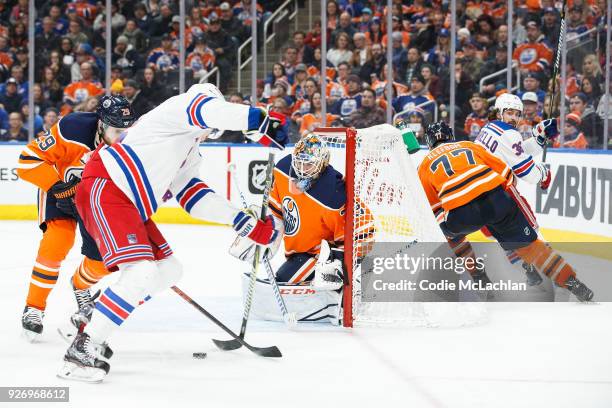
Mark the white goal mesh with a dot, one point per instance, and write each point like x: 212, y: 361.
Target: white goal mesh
x: 386, y: 204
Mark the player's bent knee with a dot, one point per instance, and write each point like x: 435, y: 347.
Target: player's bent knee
x: 169, y: 272
x: 136, y: 279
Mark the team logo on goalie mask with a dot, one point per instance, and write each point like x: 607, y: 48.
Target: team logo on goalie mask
x: 291, y: 216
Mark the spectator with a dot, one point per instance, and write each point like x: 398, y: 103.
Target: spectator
x: 202, y: 59
x: 278, y: 72
x: 369, y: 113
x: 60, y: 24
x: 143, y: 19
x: 280, y: 90
x: 298, y: 90
x: 302, y: 105
x: 530, y: 114
x: 223, y: 46
x: 15, y: 132
x: 75, y: 33
x: 399, y: 53
x: 364, y: 21
x: 535, y: 55
x: 591, y: 89
x: 439, y: 55
x: 47, y: 40
x: 380, y: 85
x: 231, y: 24
x: 124, y: 56
x: 472, y: 60
x: 501, y: 39
x: 332, y: 15
x: 374, y: 35
x: 314, y: 118
x: 576, y: 24
x: 290, y: 61
x: 344, y: 26
x: 432, y: 81
x: 491, y: 86
x: 601, y: 107
x: 40, y: 103
x: 10, y: 98
x: 531, y: 83
x: 592, y: 68
x: 361, y: 52
x: 418, y: 96
x: 151, y: 88
x: 242, y: 10
x: 373, y: 67
x: 396, y: 30
x: 140, y: 104
x: 164, y: 58
x: 79, y: 91
x: 117, y: 19
x: 84, y: 53
x: 135, y: 36
x: 350, y: 102
x: 22, y: 83
x: 51, y: 88
x: 6, y: 59
x: 591, y: 124
x: 50, y: 118
x: 38, y: 121
x: 477, y: 118
x: 417, y: 123
x: 412, y: 66
x: 551, y: 25
x: 91, y: 103
x: 313, y: 38
x: 18, y: 36
x: 161, y: 23
x: 573, y: 137
x: 340, y: 52
x: 305, y: 53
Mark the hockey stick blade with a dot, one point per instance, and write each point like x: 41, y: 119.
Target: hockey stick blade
x: 272, y: 351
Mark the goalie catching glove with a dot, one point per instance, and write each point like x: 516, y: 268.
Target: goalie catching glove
x: 270, y: 132
x: 252, y: 231
x: 64, y: 195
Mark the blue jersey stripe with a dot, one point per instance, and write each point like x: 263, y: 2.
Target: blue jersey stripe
x: 145, y: 179
x: 131, y: 183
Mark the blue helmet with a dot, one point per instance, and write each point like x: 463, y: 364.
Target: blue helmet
x: 438, y: 132
x: 116, y: 111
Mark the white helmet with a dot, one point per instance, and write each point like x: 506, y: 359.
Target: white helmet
x: 508, y: 101
x: 207, y: 89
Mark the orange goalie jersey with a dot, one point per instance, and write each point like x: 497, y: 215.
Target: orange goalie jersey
x: 311, y: 216
x: 453, y: 174
x: 58, y: 154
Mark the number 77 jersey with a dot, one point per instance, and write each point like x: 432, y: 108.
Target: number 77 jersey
x: 453, y: 174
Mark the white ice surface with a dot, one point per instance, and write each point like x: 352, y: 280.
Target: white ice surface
x: 526, y: 355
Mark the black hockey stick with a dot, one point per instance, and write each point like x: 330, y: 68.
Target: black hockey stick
x: 236, y: 344
x: 272, y: 351
x: 555, y: 72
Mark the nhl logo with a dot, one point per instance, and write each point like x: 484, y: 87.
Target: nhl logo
x: 106, y: 104
x: 257, y: 176
x: 291, y: 216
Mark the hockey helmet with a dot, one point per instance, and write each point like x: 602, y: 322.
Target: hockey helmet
x: 116, y: 111
x: 438, y: 132
x: 508, y: 101
x: 309, y: 159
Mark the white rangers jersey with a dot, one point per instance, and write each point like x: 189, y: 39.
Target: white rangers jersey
x: 505, y: 142
x: 158, y: 157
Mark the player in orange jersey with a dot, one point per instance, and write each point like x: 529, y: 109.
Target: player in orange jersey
x: 54, y: 163
x: 466, y: 188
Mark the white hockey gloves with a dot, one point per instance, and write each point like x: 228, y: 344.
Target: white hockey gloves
x: 546, y: 175
x: 544, y: 131
x: 270, y: 132
x: 252, y: 231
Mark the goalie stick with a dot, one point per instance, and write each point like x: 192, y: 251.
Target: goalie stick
x: 237, y: 343
x: 289, y: 318
x: 272, y: 351
x: 555, y: 71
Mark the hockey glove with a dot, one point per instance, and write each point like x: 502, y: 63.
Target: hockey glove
x: 260, y: 232
x: 546, y: 175
x: 270, y: 130
x: 544, y: 131
x: 64, y: 195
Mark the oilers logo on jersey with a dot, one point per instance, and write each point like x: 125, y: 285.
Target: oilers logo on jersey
x: 291, y: 216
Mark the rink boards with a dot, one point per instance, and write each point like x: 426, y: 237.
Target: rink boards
x: 575, y: 208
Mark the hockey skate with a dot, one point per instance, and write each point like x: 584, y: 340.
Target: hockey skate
x: 85, y: 303
x: 81, y: 362
x: 579, y: 289
x: 32, y: 323
x: 533, y: 277
x: 481, y: 278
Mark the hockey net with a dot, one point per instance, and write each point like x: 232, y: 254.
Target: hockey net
x: 386, y: 204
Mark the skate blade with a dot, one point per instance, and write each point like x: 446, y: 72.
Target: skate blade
x: 30, y: 336
x: 74, y: 372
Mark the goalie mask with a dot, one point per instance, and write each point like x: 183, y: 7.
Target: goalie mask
x: 438, y: 132
x: 309, y: 159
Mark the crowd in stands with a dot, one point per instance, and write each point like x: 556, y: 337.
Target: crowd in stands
x: 70, y: 40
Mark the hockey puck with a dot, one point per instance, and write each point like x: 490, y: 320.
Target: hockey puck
x: 199, y: 355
